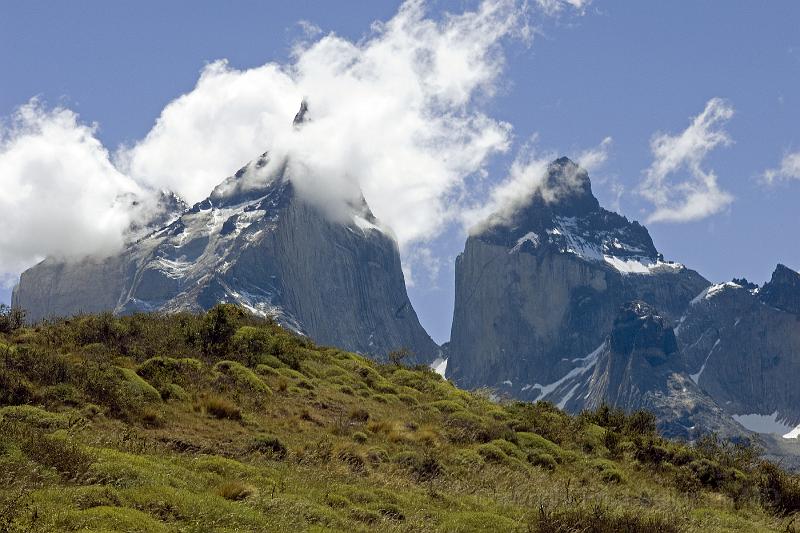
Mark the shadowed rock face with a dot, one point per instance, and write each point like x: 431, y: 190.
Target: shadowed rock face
x: 742, y: 346
x: 538, y: 290
x: 262, y: 247
x: 783, y: 290
x: 638, y: 367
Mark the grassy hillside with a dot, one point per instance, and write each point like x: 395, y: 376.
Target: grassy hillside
x: 222, y: 422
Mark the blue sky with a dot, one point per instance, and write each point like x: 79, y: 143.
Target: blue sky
x: 625, y: 70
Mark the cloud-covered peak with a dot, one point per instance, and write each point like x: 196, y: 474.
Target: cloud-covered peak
x: 399, y: 114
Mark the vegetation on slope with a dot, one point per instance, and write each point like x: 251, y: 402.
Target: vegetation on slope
x: 223, y: 422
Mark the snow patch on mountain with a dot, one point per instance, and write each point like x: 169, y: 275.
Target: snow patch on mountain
x: 588, y: 364
x: 439, y: 366
x: 696, y: 377
x: 714, y: 290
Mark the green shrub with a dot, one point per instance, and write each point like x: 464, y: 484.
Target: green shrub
x: 509, y: 448
x: 270, y: 445
x: 291, y: 373
x: 243, y: 379
x: 218, y: 328
x: 250, y: 344
x: 267, y: 371
x: 492, y: 454
x: 360, y: 437
x: 609, y: 473
x: 162, y: 371
x: 467, y: 458
x: 542, y: 459
x: 534, y: 442
x: 59, y: 452
x: 235, y: 490
x: 37, y: 418
x: 219, y: 407
x: 174, y: 392
x: 270, y: 361
x: 447, y: 406
x: 780, y: 491
x: 138, y: 388
x: 119, y: 389
x: 15, y: 389
x: 11, y: 318
x: 464, y: 427
x: 61, y: 394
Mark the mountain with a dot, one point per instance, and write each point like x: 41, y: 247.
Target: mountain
x: 741, y: 344
x: 638, y: 367
x: 257, y: 243
x: 565, y: 301
x: 538, y: 292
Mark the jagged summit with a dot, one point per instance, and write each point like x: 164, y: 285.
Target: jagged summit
x: 569, y: 188
x: 564, y: 215
x: 783, y: 290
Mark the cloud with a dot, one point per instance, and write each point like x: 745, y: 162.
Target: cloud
x: 700, y: 195
x: 526, y: 177
x: 596, y: 157
x: 554, y: 7
x: 61, y: 195
x: 788, y: 170
x: 395, y: 114
x: 398, y: 115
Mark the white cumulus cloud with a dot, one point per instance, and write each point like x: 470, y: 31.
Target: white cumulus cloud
x: 59, y: 192
x: 696, y: 194
x: 398, y: 114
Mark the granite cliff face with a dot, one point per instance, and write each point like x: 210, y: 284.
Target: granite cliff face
x: 638, y: 367
x: 741, y: 344
x: 264, y: 247
x: 538, y: 291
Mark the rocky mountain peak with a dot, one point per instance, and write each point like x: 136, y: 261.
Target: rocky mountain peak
x: 567, y: 188
x: 564, y: 216
x: 783, y: 290
x: 300, y: 117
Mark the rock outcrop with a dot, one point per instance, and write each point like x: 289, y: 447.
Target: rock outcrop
x: 638, y: 367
